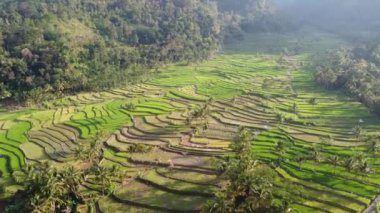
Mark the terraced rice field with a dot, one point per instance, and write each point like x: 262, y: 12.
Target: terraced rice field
x: 249, y: 90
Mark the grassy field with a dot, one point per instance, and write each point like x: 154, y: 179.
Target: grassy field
x: 250, y: 85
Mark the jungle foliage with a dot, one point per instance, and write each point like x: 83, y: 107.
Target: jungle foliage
x: 355, y: 70
x: 51, y: 48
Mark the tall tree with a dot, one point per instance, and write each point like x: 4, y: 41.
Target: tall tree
x: 251, y: 185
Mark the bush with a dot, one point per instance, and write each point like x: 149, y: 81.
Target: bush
x: 2, y: 188
x: 139, y: 148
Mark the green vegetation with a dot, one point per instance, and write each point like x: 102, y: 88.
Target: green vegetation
x: 48, y: 49
x: 51, y: 49
x: 251, y: 186
x: 47, y: 189
x: 248, y: 130
x: 165, y: 134
x: 354, y: 70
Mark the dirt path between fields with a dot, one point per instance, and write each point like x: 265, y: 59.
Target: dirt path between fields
x: 372, y: 207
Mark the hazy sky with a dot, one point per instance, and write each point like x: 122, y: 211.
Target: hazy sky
x: 335, y: 13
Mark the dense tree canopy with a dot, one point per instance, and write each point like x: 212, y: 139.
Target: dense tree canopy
x: 251, y: 186
x: 355, y: 70
x: 66, y: 46
x: 49, y: 48
x: 251, y: 16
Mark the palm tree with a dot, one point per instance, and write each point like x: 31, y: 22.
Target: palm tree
x: 250, y: 184
x: 80, y: 152
x: 300, y: 160
x: 295, y: 108
x: 280, y: 118
x: 358, y: 131
x: 73, y: 179
x: 350, y: 163
x: 242, y: 140
x: 334, y: 160
x: 280, y: 146
x: 196, y: 131
x: 204, y: 111
x: 365, y: 167
x: 360, y: 157
x: 189, y: 119
x: 47, y: 189
x: 2, y: 188
x: 327, y: 140
x: 117, y: 172
x: 313, y: 101
x: 220, y: 204
x: 316, y: 154
x: 103, y: 176
x: 210, y: 101
x: 373, y: 146
x: 205, y: 126
x: 373, y: 143
x: 57, y: 190
x: 234, y: 101
x: 130, y: 107
x: 36, y: 202
x: 93, y: 153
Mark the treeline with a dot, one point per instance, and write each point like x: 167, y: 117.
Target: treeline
x: 355, y: 70
x: 49, y: 48
x: 249, y: 16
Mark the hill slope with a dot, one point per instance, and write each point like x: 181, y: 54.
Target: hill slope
x: 54, y: 47
x: 320, y: 151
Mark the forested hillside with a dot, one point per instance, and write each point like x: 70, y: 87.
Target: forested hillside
x: 189, y: 106
x: 51, y: 48
x: 55, y: 47
x: 355, y: 70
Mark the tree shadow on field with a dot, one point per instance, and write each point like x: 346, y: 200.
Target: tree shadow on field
x: 288, y: 43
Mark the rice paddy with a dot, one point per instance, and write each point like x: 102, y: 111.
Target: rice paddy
x: 177, y: 175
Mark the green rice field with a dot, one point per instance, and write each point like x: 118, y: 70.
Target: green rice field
x: 245, y: 86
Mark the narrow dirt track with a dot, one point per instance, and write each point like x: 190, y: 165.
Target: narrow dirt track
x: 372, y: 207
